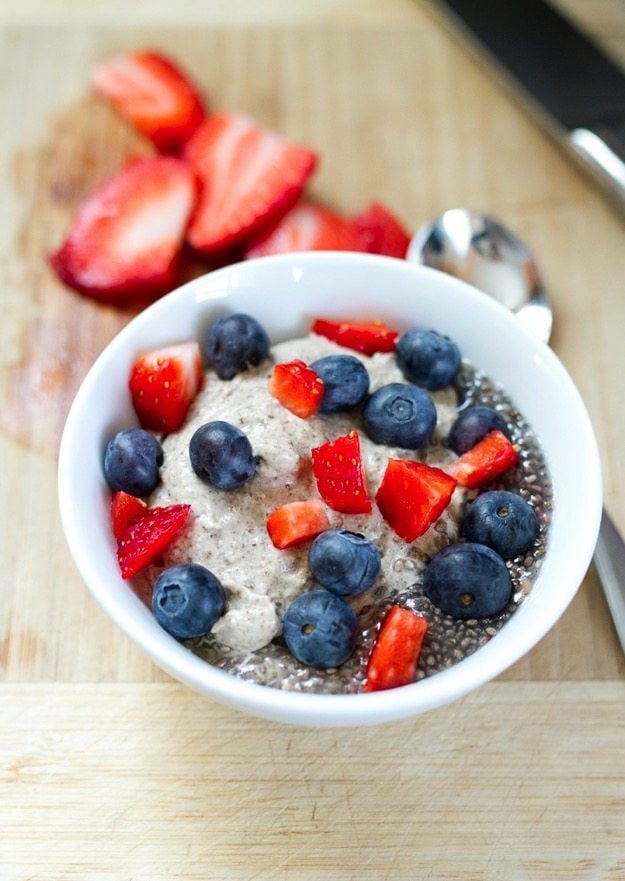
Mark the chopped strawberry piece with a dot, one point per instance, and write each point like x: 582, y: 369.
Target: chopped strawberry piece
x: 381, y: 232
x: 125, y: 242
x: 143, y: 541
x: 340, y: 475
x: 125, y: 510
x: 297, y: 522
x: 485, y: 461
x: 366, y: 338
x: 307, y: 227
x: 395, y: 654
x: 163, y: 383
x: 249, y: 177
x: 412, y: 496
x: 297, y: 387
x: 154, y: 94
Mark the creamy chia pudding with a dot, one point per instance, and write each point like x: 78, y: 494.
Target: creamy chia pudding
x: 227, y: 532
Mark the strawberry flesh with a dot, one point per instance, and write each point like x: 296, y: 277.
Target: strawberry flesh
x: 412, y: 496
x: 163, y: 383
x: 307, y: 227
x: 249, y: 178
x: 296, y: 522
x: 395, y: 654
x: 126, y: 240
x: 125, y: 510
x: 154, y: 95
x: 340, y: 475
x: 142, y: 542
x: 367, y: 338
x: 485, y: 461
x: 381, y: 232
x: 297, y: 387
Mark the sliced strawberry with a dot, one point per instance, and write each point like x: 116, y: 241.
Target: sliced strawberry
x: 381, y: 232
x: 485, y: 461
x: 125, y: 242
x: 143, y: 541
x: 307, y: 227
x: 154, y: 94
x: 395, y: 654
x: 163, y: 383
x: 340, y: 475
x: 297, y: 522
x: 125, y: 510
x: 297, y: 387
x: 366, y: 338
x: 412, y: 496
x: 249, y: 177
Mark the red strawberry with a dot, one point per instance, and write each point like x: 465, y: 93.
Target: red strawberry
x: 307, y: 227
x: 163, y: 383
x: 381, y: 232
x: 297, y: 522
x: 366, y: 338
x: 297, y: 387
x: 412, y: 496
x: 125, y: 510
x: 154, y: 95
x: 394, y: 657
x: 125, y: 242
x: 249, y: 177
x: 143, y: 541
x: 340, y: 475
x: 485, y: 461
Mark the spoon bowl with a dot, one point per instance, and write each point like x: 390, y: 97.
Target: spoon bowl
x: 483, y: 252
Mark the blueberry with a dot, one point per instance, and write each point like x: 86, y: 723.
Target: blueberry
x: 234, y: 343
x: 503, y: 521
x: 320, y: 629
x: 345, y: 563
x: 428, y: 358
x: 467, y: 580
x: 400, y: 415
x: 131, y: 462
x: 472, y: 425
x: 187, y: 600
x: 345, y: 382
x: 221, y: 455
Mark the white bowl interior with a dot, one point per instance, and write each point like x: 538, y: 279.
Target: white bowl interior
x: 285, y: 294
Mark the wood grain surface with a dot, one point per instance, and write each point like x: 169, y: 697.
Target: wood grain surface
x: 109, y: 770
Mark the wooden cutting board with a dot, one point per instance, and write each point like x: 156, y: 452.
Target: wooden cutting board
x: 109, y: 771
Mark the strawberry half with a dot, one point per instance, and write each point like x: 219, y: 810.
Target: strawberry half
x: 154, y: 94
x: 249, y: 178
x: 381, y: 232
x: 163, y: 383
x: 297, y: 387
x: 366, y: 338
x: 297, y: 522
x: 412, y: 496
x: 340, y: 475
x: 485, y: 461
x: 142, y: 542
x: 308, y: 227
x: 125, y: 510
x: 125, y: 242
x: 395, y: 654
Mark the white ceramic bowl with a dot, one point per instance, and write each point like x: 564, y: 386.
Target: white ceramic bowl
x: 285, y: 293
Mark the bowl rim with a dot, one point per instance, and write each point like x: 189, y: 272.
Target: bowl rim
x: 303, y: 707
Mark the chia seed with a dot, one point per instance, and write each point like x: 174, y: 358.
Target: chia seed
x: 448, y: 641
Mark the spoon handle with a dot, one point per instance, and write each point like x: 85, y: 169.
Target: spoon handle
x: 609, y: 561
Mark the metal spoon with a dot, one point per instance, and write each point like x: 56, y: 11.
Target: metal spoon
x: 479, y: 250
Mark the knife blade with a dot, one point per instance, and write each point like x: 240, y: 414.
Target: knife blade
x: 573, y: 88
